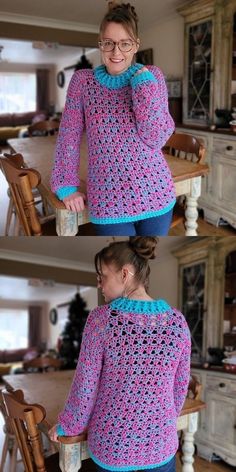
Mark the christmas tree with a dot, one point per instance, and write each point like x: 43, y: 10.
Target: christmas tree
x: 71, y: 337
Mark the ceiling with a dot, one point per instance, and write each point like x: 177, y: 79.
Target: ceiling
x: 34, y: 289
x: 73, y: 252
x: 72, y: 14
x: 85, y: 12
x: 63, y: 252
x: 39, y: 52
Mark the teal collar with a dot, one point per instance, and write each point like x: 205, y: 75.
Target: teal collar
x: 148, y: 307
x: 115, y: 81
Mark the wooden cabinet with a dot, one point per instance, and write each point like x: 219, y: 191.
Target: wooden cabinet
x: 217, y: 424
x: 230, y: 300
x: 203, y: 281
x: 218, y: 195
x: 209, y: 26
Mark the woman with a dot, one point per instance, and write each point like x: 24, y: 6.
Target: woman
x: 133, y: 369
x: 124, y: 108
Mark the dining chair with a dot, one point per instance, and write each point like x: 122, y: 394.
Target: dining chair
x: 28, y: 420
x: 184, y: 146
x: 10, y: 445
x: 18, y: 161
x: 42, y: 364
x: 22, y: 183
x: 43, y: 128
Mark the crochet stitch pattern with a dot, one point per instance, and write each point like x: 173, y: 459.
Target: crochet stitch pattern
x: 127, y: 123
x: 130, y: 384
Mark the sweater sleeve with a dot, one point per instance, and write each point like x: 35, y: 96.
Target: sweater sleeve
x: 182, y: 375
x: 150, y: 103
x: 74, y: 418
x: 65, y: 174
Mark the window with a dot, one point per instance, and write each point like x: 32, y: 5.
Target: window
x: 17, y: 92
x: 14, y: 328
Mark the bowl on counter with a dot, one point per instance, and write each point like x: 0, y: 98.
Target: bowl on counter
x: 230, y: 368
x: 229, y: 364
x: 233, y: 125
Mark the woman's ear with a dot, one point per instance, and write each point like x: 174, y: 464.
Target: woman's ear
x: 137, y: 45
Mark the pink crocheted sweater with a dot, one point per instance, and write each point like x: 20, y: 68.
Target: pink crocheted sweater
x: 130, y: 384
x: 127, y: 123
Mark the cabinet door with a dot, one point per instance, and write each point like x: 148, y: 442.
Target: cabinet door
x: 199, y: 82
x: 193, y: 305
x: 221, y: 420
x: 225, y: 173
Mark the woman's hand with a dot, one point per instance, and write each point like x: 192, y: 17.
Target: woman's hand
x: 75, y: 202
x: 52, y: 433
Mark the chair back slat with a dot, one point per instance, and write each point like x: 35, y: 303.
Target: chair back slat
x: 43, y: 128
x: 42, y: 364
x: 186, y: 147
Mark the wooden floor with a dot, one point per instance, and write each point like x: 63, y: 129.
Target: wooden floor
x: 200, y: 465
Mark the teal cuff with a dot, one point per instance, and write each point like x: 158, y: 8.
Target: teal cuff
x: 60, y: 431
x: 141, y: 78
x: 64, y: 192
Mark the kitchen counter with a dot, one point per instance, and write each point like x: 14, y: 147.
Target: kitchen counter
x: 226, y: 131
x: 212, y: 368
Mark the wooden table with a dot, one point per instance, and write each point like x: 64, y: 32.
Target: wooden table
x: 51, y: 389
x: 38, y: 152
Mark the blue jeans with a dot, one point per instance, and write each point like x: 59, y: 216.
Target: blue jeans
x: 169, y: 467
x: 156, y: 226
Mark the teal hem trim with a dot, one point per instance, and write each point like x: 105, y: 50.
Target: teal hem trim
x: 60, y: 430
x: 145, y: 76
x: 147, y: 307
x: 127, y: 219
x: 127, y: 467
x: 115, y: 81
x: 64, y: 192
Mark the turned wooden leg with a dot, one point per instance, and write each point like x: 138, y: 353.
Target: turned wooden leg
x: 4, y: 452
x: 191, y: 212
x: 188, y: 443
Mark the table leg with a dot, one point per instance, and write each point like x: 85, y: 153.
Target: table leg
x: 188, y: 443
x: 191, y: 213
x: 66, y: 223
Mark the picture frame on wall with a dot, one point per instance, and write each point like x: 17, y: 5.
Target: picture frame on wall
x: 145, y: 57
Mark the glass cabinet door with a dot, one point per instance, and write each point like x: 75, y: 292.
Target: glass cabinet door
x: 199, y: 72
x: 193, y: 290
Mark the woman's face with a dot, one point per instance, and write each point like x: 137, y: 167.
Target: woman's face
x: 117, y: 61
x: 110, y: 282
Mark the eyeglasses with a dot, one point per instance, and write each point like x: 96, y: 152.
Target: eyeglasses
x: 108, y: 45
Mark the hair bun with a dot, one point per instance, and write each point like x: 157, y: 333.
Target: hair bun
x: 126, y: 7
x: 144, y: 247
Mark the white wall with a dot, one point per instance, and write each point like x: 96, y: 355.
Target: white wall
x: 164, y: 279
x: 167, y: 41
x: 93, y: 56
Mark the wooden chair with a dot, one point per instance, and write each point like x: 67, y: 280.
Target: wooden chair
x: 184, y: 146
x: 27, y: 420
x: 10, y: 445
x: 22, y: 182
x: 194, y: 388
x: 43, y: 128
x: 42, y: 364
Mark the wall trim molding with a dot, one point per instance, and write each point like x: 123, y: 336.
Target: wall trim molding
x: 45, y: 260
x: 47, y: 22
